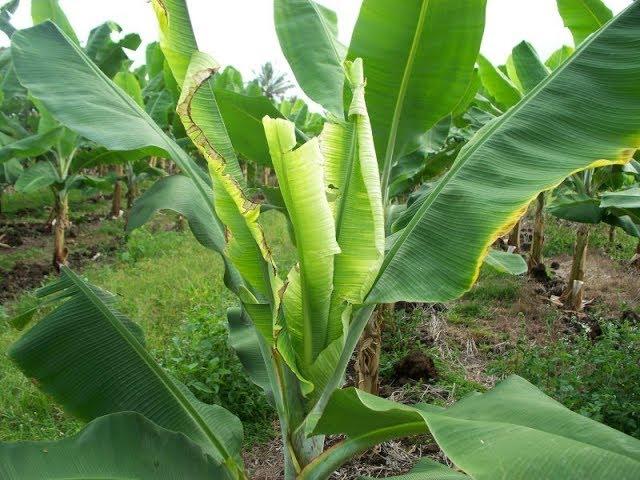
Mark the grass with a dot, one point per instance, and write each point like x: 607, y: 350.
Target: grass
x: 560, y: 236
x: 173, y: 288
x: 600, y: 379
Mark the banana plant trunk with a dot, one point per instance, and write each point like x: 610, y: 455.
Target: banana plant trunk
x: 60, y: 225
x: 635, y: 261
x: 367, y: 366
x: 1, y: 193
x: 514, y: 237
x: 612, y: 236
x: 573, y: 295
x: 116, y: 203
x: 132, y: 193
x: 536, y: 261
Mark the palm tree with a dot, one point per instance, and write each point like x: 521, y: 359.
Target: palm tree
x: 274, y: 85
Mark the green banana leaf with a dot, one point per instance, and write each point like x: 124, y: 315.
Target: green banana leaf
x: 92, y: 360
x: 497, y: 84
x: 417, y: 71
x: 243, y: 116
x: 505, y: 433
x: 40, y: 175
x: 577, y: 208
x: 528, y: 66
x: 629, y: 198
x: 31, y: 146
x: 43, y: 10
x: 532, y: 148
x: 427, y: 469
x: 558, y: 57
x: 122, y: 445
x: 128, y: 82
x: 583, y: 17
x: 307, y: 32
x: 179, y: 194
x: 108, y: 55
x: 80, y: 96
x: 10, y: 171
x: 505, y: 262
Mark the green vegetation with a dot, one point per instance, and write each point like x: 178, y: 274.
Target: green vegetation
x: 597, y: 378
x: 136, y: 348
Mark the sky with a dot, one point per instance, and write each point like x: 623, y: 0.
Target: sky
x: 241, y: 32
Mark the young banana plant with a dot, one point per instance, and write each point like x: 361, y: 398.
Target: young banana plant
x: 296, y: 333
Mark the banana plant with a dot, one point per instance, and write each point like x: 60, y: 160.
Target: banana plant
x: 590, y: 198
x: 296, y: 333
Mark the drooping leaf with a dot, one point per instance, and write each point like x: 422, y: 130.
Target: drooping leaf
x: 418, y: 70
x: 122, y: 445
x: 90, y: 358
x: 505, y: 262
x: 31, y: 146
x: 504, y: 433
x: 555, y: 131
x: 179, y: 194
x: 308, y: 41
x: 583, y: 17
x: 40, y: 175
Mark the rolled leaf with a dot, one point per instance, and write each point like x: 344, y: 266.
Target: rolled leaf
x: 530, y: 149
x: 177, y: 40
x: 310, y: 284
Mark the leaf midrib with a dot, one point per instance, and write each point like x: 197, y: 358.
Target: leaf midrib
x: 399, y: 105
